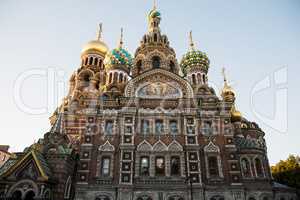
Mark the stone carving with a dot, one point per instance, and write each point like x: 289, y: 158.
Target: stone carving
x: 107, y: 147
x: 211, y: 148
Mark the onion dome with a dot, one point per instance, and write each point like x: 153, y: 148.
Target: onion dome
x: 194, y: 58
x: 119, y: 57
x: 154, y: 13
x: 96, y: 46
x: 228, y: 94
x: 236, y: 116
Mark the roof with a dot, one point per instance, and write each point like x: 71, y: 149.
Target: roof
x: 12, y: 164
x: 4, y: 148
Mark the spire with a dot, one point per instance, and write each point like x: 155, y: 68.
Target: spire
x: 192, y: 45
x: 99, y: 32
x: 121, y: 39
x: 154, y: 4
x: 224, y: 76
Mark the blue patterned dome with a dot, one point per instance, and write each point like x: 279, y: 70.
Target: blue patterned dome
x: 194, y: 58
x: 118, y: 56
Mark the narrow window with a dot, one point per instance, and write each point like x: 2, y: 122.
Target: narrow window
x: 100, y: 64
x: 121, y: 78
x: 213, y: 166
x: 159, y: 126
x: 145, y: 128
x: 156, y: 62
x: 91, y: 60
x: 109, y: 127
x: 245, y: 165
x: 110, y: 78
x: 145, y: 166
x: 160, y: 166
x: 115, y: 77
x: 203, y: 78
x: 258, y: 167
x: 175, y: 166
x: 173, y: 127
x: 139, y: 66
x: 155, y: 37
x: 194, y: 79
x: 86, y: 61
x: 207, y: 128
x: 96, y: 61
x: 105, y: 166
x: 172, y: 66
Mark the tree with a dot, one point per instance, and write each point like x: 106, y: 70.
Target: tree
x: 288, y: 171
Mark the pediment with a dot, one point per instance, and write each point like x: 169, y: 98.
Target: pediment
x: 160, y: 146
x: 211, y: 148
x: 107, y: 147
x: 175, y: 147
x: 144, y: 146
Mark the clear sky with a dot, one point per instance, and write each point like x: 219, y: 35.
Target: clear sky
x: 255, y: 40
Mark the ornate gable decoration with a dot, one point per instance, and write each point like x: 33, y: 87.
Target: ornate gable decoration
x: 160, y: 146
x: 144, y: 147
x: 107, y: 147
x: 211, y: 148
x: 175, y: 147
x: 159, y: 83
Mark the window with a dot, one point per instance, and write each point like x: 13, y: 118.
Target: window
x: 203, y: 78
x: 145, y: 127
x: 172, y: 66
x: 155, y: 37
x: 68, y: 186
x: 121, y: 78
x: 175, y: 166
x: 139, y: 66
x: 160, y: 166
x: 245, y: 165
x: 159, y: 126
x: 213, y: 166
x: 91, y: 60
x: 110, y: 78
x: 194, y: 79
x: 105, y: 166
x: 258, y: 167
x: 173, y: 127
x: 109, y: 127
x: 207, y: 128
x: 96, y: 61
x: 156, y: 62
x: 145, y: 166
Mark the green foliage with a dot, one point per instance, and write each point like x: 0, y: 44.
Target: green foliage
x: 288, y: 171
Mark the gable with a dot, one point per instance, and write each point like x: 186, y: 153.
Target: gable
x: 31, y: 165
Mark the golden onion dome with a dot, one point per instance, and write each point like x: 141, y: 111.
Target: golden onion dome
x: 95, y: 46
x: 236, y: 115
x: 228, y: 94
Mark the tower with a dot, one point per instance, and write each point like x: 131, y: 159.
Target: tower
x: 154, y: 51
x: 194, y: 65
x: 118, y: 65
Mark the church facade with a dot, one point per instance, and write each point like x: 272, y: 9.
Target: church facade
x: 145, y: 127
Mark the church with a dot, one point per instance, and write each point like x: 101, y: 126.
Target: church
x: 144, y: 127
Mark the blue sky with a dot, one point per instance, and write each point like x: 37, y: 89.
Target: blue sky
x: 252, y: 39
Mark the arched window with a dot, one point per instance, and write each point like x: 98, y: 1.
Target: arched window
x: 110, y: 78
x: 96, y: 61
x: 115, y: 77
x: 86, y: 79
x: 121, y: 78
x: 213, y: 166
x: 86, y: 61
x: 199, y: 78
x: 155, y: 37
x: 68, y: 187
x: 245, y: 166
x: 160, y: 166
x: 172, y: 66
x: 100, y: 64
x: 139, y: 66
x: 203, y: 78
x: 156, y: 62
x: 175, y: 166
x: 145, y: 165
x: 91, y: 60
x: 193, y: 79
x: 105, y: 166
x: 258, y: 167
